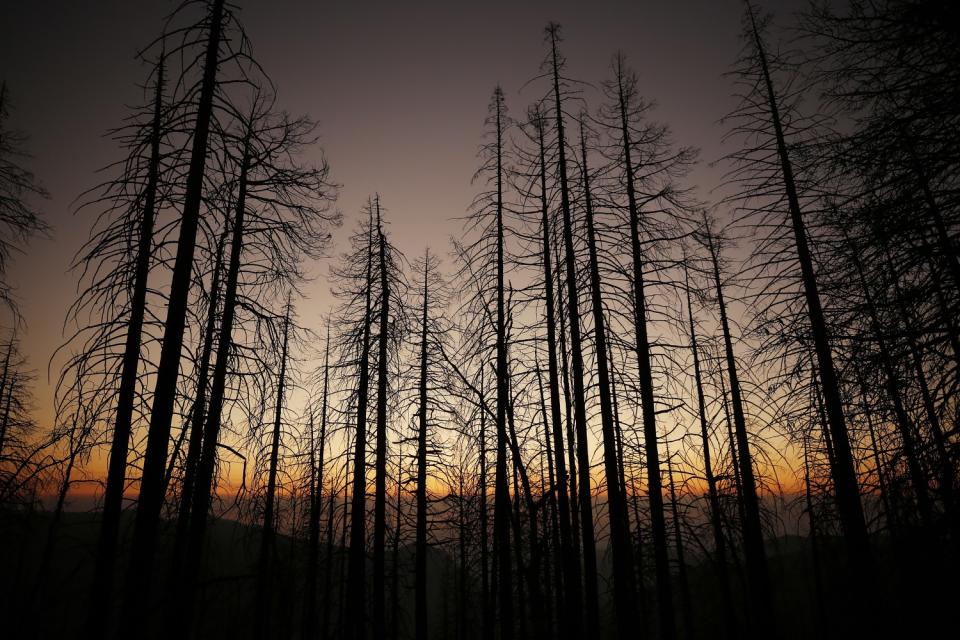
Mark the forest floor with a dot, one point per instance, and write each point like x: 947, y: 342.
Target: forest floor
x: 912, y: 579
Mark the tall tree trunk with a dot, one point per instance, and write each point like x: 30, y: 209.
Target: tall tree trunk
x: 313, y: 537
x: 686, y: 601
x: 758, y: 580
x: 558, y: 550
x: 501, y: 510
x: 734, y: 458
x: 197, y: 414
x: 316, y: 488
x: 263, y: 597
x: 486, y: 621
x: 420, y: 606
x: 666, y: 621
x: 327, y: 601
x: 588, y: 540
x: 621, y: 474
x: 343, y: 586
x: 211, y: 433
x: 719, y: 541
x: 522, y: 617
x: 568, y: 422
x: 623, y: 587
x: 395, y: 557
x: 380, y: 489
x: 106, y: 554
x: 572, y: 613
x: 639, y: 546
x: 821, y: 413
x: 536, y: 597
x: 847, y: 490
x: 356, y: 596
x: 150, y: 502
x: 462, y: 572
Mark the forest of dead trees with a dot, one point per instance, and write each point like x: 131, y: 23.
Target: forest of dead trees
x: 608, y: 409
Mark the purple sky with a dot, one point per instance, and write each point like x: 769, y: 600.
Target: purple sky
x: 400, y: 91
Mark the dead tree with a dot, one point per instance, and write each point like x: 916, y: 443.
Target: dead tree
x: 571, y: 613
x: 150, y: 501
x: 623, y: 587
x: 585, y: 500
x: 627, y: 111
x: 264, y: 565
x: 280, y: 216
x: 355, y: 596
x: 420, y: 604
x: 754, y: 552
x: 713, y: 496
x: 19, y: 220
x: 380, y: 489
x: 317, y: 462
x: 755, y: 70
x: 483, y: 261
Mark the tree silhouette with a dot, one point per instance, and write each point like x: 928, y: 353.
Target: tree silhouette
x: 616, y: 503
x: 576, y: 353
x: 316, y: 477
x: 762, y: 110
x: 18, y: 186
x: 750, y: 427
x: 484, y: 266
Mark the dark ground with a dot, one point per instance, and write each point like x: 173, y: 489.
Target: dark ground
x: 914, y: 583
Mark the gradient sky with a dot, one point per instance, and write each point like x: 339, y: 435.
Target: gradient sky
x: 400, y: 90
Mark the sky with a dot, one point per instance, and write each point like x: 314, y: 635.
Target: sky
x: 399, y: 89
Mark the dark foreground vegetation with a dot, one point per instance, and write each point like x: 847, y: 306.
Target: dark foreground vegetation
x: 621, y: 411
x: 227, y: 586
